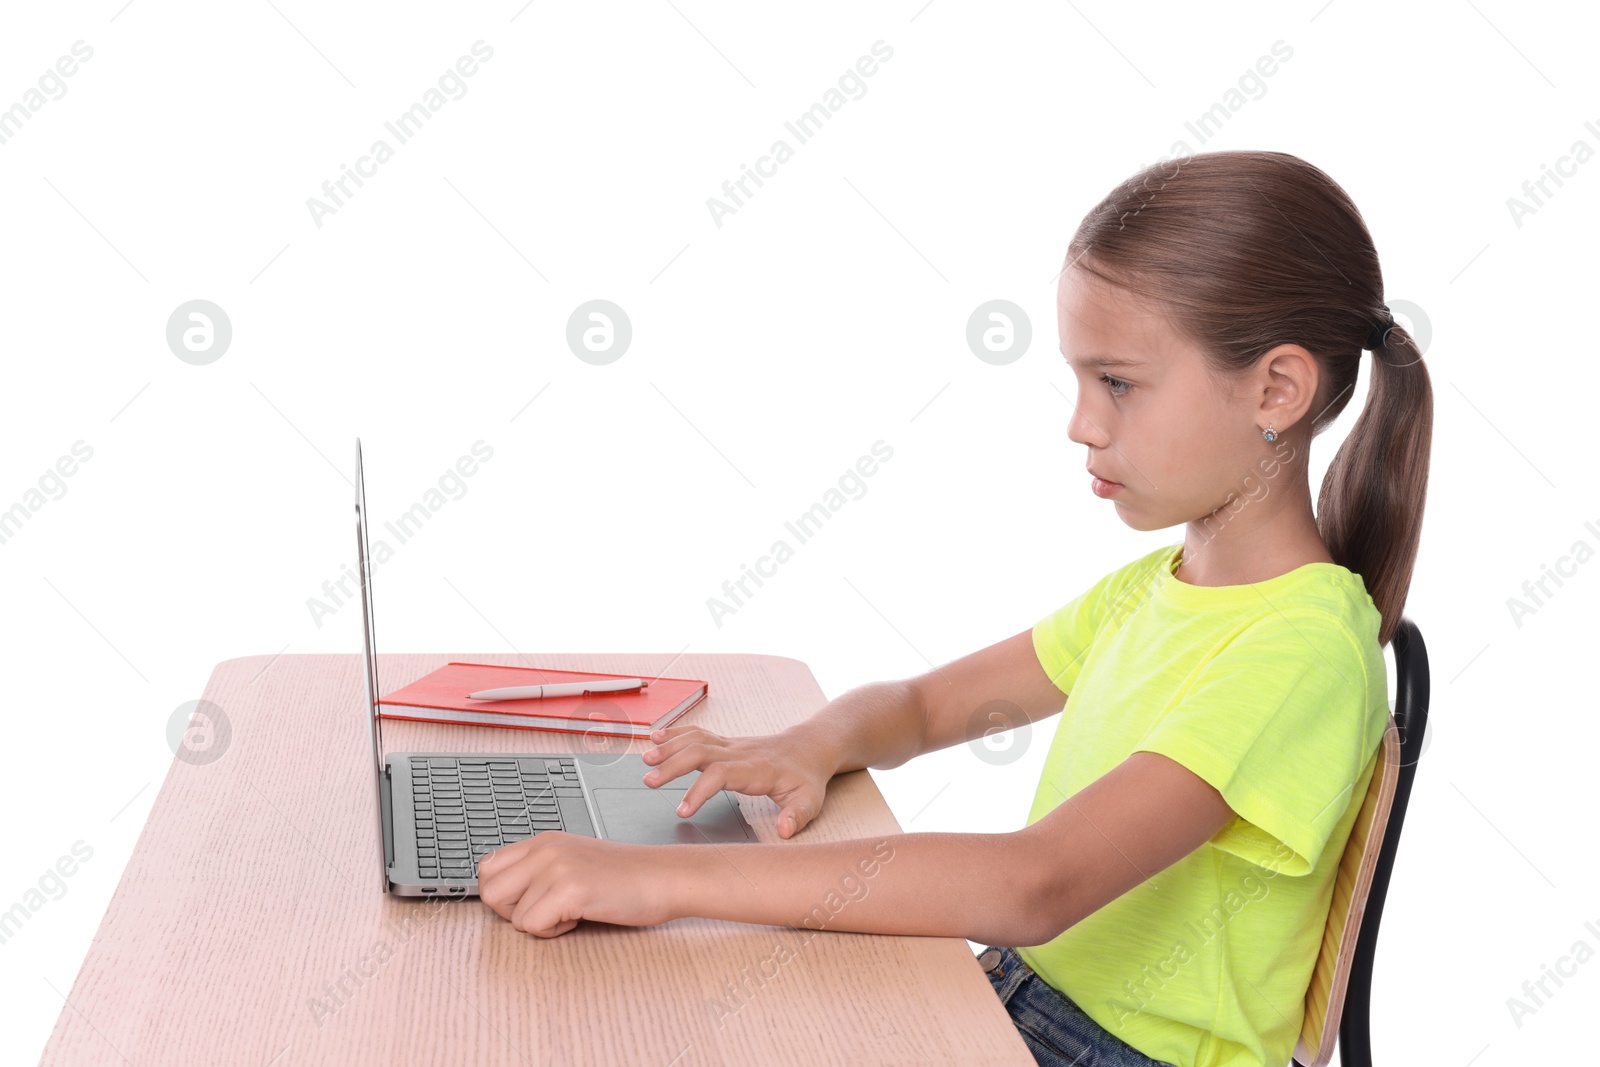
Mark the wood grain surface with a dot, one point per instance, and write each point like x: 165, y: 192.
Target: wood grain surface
x: 250, y: 926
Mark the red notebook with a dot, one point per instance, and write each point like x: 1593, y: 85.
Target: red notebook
x: 441, y: 696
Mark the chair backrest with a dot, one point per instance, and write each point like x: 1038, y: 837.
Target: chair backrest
x: 1338, y: 999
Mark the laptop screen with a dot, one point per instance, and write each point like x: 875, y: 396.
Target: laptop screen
x: 370, y: 660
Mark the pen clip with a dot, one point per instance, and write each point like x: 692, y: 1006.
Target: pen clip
x: 612, y: 692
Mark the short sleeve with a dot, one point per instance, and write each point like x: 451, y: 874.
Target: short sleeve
x: 1063, y: 638
x: 1280, y: 723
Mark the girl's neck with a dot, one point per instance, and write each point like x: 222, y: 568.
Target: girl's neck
x: 1242, y: 557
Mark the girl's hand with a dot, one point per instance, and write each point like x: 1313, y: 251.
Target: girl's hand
x: 544, y: 884
x: 791, y: 770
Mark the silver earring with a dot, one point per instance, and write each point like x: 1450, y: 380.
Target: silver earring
x: 1268, y: 433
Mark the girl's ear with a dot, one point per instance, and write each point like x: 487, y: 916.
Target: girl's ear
x: 1288, y: 376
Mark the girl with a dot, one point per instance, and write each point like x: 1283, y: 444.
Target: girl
x: 1225, y: 696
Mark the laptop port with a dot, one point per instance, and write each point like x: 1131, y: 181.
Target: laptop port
x: 429, y: 889
x: 458, y: 889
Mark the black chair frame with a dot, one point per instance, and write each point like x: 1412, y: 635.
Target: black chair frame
x: 1411, y: 720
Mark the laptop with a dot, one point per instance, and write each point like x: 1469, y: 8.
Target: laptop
x: 440, y: 812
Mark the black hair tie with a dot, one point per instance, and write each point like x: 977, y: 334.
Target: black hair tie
x: 1379, y: 336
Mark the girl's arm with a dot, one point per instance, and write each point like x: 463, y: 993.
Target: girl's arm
x: 1018, y: 888
x: 884, y: 724
x: 977, y: 886
x: 879, y: 724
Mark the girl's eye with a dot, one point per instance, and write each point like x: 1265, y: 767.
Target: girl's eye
x: 1118, y: 386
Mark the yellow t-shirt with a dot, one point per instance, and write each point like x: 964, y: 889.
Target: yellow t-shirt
x: 1276, y: 694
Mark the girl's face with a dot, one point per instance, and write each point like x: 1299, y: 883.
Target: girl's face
x: 1150, y: 416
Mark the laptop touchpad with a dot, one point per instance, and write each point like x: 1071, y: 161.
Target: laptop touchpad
x: 650, y: 817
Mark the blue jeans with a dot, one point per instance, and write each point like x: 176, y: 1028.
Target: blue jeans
x: 1056, y: 1030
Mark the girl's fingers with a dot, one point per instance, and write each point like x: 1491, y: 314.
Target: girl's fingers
x: 737, y: 777
x: 532, y: 911
x: 676, y: 731
x: 666, y: 746
x: 691, y: 757
x: 788, y: 824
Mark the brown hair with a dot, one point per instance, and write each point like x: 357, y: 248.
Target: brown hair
x: 1249, y: 250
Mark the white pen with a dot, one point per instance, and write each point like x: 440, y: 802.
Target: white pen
x: 559, y: 689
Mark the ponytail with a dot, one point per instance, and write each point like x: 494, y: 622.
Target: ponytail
x: 1369, y: 510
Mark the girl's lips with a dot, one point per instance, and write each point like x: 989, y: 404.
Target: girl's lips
x: 1103, y: 488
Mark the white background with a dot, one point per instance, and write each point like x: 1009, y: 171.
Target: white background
x: 768, y: 354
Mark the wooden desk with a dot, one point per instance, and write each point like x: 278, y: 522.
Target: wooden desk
x: 250, y: 926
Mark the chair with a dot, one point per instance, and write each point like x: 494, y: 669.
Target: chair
x: 1339, y: 995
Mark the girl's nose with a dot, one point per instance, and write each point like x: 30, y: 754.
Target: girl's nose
x: 1084, y: 429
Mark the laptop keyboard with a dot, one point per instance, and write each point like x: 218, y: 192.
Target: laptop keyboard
x: 468, y: 806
